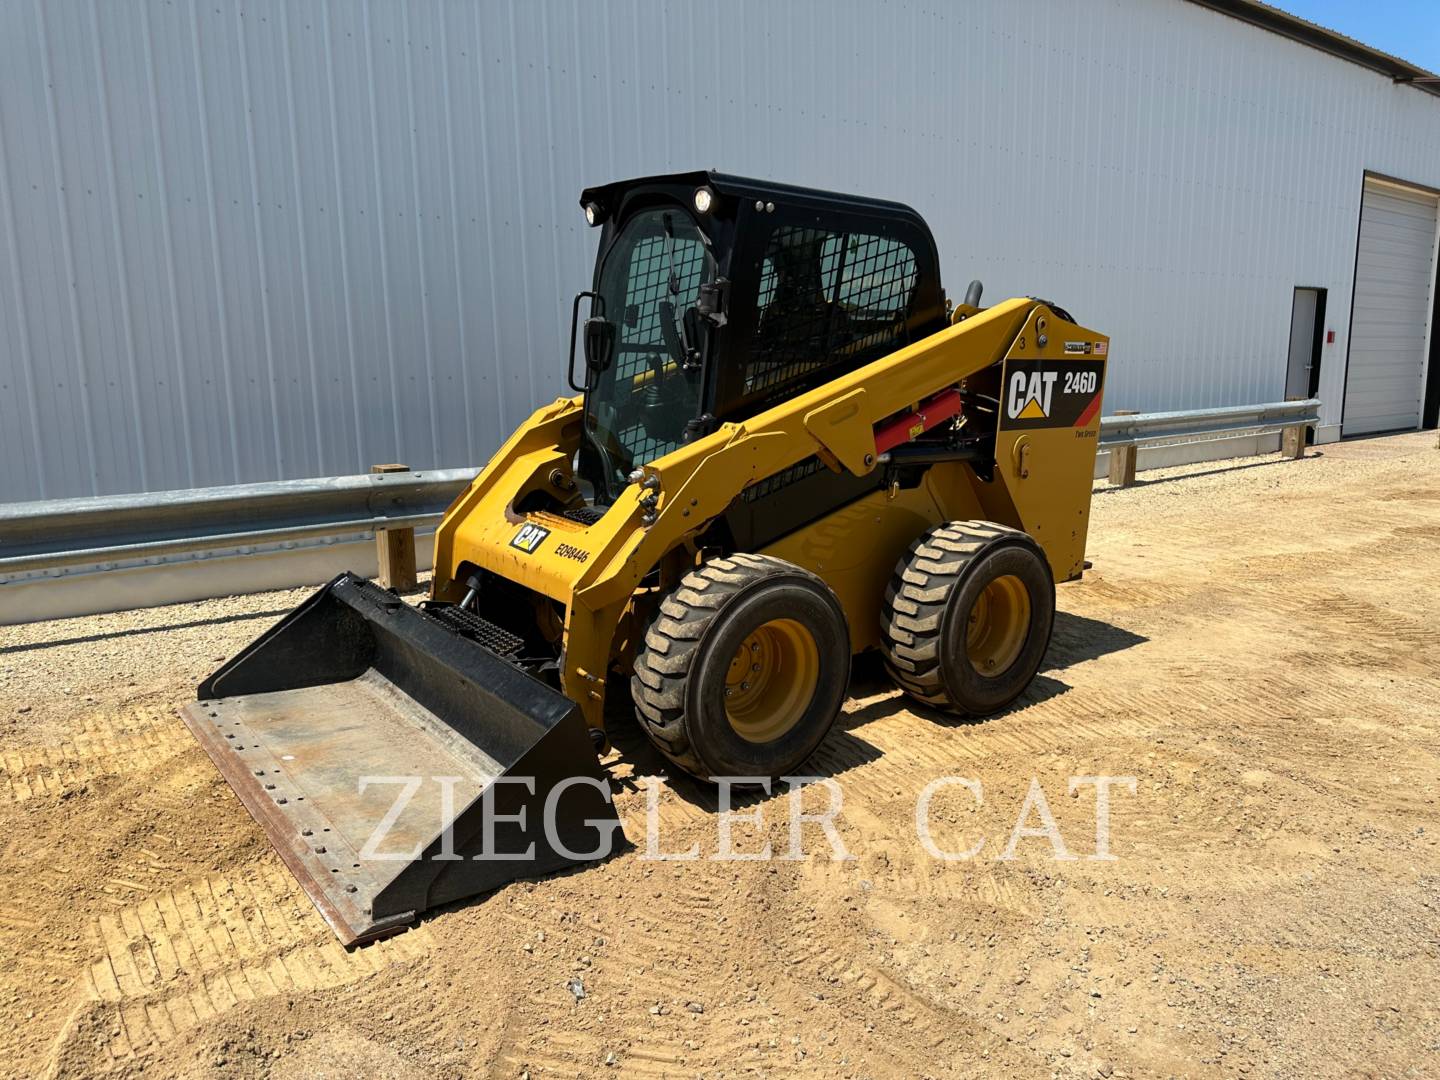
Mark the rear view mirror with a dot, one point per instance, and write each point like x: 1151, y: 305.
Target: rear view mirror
x: 599, y: 345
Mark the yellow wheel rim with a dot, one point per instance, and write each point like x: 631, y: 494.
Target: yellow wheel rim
x: 998, y: 624
x: 771, y: 680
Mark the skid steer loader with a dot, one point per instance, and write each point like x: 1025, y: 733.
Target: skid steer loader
x: 784, y: 448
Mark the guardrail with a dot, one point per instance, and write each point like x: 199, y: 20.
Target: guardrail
x: 1123, y: 433
x: 116, y: 529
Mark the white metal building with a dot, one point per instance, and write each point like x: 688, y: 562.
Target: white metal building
x: 251, y: 239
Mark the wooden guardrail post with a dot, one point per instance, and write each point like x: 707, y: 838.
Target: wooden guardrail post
x: 1122, y: 459
x: 1292, y: 441
x: 1122, y: 465
x: 395, y: 548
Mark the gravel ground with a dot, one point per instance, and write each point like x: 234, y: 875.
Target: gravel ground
x: 1255, y: 645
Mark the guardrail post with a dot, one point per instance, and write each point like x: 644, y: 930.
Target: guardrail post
x: 395, y: 548
x: 1122, y: 459
x: 1122, y: 465
x: 1292, y: 441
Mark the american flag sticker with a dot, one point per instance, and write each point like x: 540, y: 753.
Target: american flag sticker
x: 1100, y: 347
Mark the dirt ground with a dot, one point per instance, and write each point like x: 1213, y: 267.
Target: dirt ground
x: 1256, y: 645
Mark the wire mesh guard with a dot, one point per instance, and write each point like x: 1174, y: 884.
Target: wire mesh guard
x: 661, y: 269
x: 828, y: 296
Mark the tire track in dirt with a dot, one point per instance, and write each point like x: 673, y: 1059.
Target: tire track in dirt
x: 176, y: 961
x: 646, y: 973
x: 103, y: 746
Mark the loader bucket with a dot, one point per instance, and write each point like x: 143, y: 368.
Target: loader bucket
x: 397, y: 765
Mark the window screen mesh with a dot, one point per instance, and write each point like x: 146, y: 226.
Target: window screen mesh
x: 827, y: 297
x: 644, y: 343
x: 655, y: 272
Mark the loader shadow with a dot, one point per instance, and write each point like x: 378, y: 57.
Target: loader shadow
x: 1075, y: 640
x: 840, y: 752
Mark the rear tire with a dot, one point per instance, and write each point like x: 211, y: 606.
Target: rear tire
x: 967, y: 616
x: 744, y: 670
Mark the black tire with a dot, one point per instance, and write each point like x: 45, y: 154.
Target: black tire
x: 680, y: 681
x: 928, y: 608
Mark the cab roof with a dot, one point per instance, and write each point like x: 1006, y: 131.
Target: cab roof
x: 612, y: 197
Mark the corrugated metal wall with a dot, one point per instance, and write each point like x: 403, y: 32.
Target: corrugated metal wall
x: 250, y: 240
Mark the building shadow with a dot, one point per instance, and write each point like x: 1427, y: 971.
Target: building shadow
x: 413, y: 595
x: 139, y: 631
x: 1142, y: 481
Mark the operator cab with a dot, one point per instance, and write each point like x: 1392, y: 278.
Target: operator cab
x: 716, y: 297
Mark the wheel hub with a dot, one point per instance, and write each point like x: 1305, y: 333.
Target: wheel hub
x: 771, y: 679
x: 998, y: 623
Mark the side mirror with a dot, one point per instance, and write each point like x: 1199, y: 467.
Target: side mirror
x: 599, y: 345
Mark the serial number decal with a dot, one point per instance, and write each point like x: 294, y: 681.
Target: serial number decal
x: 529, y: 537
x: 1051, y: 393
x: 569, y: 551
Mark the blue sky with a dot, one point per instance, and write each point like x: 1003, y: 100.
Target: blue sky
x: 1409, y: 29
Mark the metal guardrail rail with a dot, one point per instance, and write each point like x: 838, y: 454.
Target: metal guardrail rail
x: 112, y: 529
x: 102, y: 532
x: 1139, y: 428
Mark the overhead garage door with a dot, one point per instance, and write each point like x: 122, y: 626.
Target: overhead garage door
x: 1394, y: 272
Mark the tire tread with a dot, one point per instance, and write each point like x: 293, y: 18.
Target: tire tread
x: 912, y: 612
x: 667, y: 654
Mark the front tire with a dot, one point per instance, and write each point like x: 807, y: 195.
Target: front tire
x: 967, y: 616
x: 744, y: 670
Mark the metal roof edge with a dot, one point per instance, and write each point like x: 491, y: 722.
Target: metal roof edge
x: 1328, y: 41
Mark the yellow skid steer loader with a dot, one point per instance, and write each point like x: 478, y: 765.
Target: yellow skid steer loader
x: 784, y: 448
